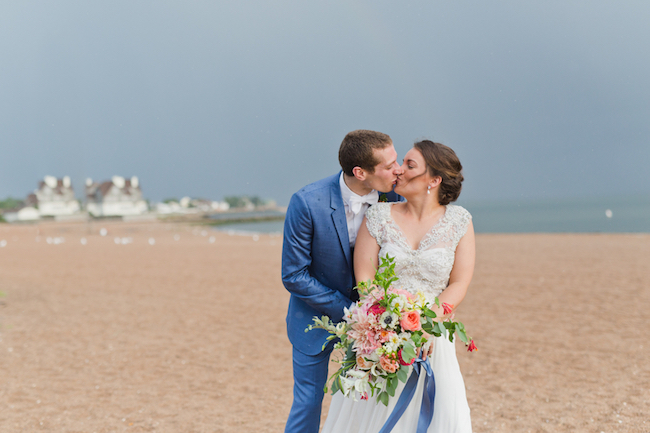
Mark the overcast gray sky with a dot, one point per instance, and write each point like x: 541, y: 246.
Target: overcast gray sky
x: 213, y: 98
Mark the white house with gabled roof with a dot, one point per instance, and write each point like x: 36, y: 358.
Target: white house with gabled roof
x: 115, y: 197
x: 55, y: 197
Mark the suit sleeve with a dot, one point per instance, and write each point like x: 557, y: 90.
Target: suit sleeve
x: 296, y: 259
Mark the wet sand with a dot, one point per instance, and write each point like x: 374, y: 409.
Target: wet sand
x: 188, y: 335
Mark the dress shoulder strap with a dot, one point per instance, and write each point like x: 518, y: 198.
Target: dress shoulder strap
x: 377, y: 217
x: 459, y: 219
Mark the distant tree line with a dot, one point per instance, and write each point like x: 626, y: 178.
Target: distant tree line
x: 10, y: 203
x: 239, y: 201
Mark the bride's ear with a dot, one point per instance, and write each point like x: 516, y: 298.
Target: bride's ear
x: 434, y: 182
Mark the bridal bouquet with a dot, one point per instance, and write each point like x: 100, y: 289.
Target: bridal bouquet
x: 381, y: 334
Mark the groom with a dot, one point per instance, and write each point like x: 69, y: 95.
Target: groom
x: 320, y: 230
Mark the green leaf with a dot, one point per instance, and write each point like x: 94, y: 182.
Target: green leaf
x: 428, y: 327
x: 403, y: 373
x: 408, y: 352
x: 442, y: 329
x: 429, y: 313
x: 463, y: 336
x: 451, y: 327
x: 336, y: 384
x: 350, y: 353
x: 383, y: 398
x: 391, y: 386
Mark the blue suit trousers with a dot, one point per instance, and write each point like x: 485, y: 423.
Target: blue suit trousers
x: 309, y: 377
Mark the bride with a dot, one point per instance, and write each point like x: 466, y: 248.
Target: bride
x: 433, y: 245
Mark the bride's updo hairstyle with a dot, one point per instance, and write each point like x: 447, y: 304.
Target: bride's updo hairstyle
x: 442, y: 161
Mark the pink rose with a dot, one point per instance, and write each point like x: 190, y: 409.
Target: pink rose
x: 377, y: 310
x: 411, y: 321
x: 388, y: 365
x: 406, y: 293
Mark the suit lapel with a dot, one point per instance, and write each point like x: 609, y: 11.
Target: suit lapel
x: 339, y: 220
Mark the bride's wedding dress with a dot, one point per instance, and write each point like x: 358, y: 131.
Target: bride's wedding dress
x: 425, y: 269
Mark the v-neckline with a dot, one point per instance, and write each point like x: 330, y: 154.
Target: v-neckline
x: 426, y: 235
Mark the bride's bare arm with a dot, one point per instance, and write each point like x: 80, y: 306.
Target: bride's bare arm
x: 461, y: 273
x: 366, y: 255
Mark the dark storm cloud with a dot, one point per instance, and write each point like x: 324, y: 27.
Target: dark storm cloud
x: 216, y: 98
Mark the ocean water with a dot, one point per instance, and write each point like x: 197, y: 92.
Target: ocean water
x: 586, y: 215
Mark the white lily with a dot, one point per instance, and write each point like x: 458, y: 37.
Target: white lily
x: 347, y: 384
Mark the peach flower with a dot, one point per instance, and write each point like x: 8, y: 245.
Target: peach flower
x: 385, y: 335
x: 388, y: 365
x: 363, y: 364
x: 411, y: 321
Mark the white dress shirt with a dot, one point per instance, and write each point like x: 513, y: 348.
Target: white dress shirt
x: 355, y: 208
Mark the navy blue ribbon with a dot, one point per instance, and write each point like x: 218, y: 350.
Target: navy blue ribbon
x: 426, y: 409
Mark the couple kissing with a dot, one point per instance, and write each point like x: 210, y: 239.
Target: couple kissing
x: 334, y: 233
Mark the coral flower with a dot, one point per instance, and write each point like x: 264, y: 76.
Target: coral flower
x: 411, y: 321
x: 447, y: 308
x: 471, y: 347
x: 388, y: 365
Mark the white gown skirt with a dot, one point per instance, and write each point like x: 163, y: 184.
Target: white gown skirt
x: 450, y: 409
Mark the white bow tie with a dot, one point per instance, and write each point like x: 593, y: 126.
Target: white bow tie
x: 356, y: 201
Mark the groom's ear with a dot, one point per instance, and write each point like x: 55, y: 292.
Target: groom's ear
x: 359, y: 173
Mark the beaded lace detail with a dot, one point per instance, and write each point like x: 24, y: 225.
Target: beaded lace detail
x: 426, y: 268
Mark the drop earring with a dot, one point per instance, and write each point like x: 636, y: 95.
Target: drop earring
x: 429, y: 189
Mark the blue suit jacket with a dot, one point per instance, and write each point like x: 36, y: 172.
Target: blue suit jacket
x: 317, y: 261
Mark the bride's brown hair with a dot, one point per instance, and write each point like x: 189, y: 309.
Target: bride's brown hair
x: 442, y: 161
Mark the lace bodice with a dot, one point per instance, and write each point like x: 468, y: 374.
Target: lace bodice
x: 428, y: 267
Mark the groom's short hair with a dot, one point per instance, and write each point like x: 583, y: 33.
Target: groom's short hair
x: 358, y: 150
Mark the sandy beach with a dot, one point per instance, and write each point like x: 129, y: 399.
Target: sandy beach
x: 188, y: 334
